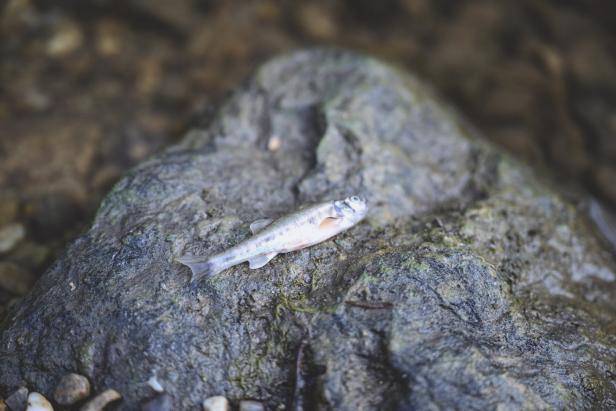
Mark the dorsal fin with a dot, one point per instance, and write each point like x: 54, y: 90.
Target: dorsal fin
x: 259, y: 225
x: 260, y: 260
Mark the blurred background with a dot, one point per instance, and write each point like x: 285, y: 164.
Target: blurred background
x: 88, y: 89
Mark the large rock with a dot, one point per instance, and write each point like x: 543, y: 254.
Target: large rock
x: 470, y: 285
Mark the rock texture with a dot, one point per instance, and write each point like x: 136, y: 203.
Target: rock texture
x: 470, y: 285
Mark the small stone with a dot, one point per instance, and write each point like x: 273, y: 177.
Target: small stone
x: 10, y: 235
x: 36, y: 100
x: 17, y: 400
x: 274, y: 143
x: 155, y: 384
x: 316, y: 22
x: 109, y: 37
x: 36, y: 402
x: 101, y: 400
x: 67, y: 38
x: 161, y: 402
x: 216, y: 403
x: 250, y: 405
x: 3, y: 406
x: 71, y: 388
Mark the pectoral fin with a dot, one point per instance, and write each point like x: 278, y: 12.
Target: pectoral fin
x: 259, y: 225
x: 328, y: 223
x: 260, y: 260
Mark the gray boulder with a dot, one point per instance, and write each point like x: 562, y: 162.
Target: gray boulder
x: 470, y: 285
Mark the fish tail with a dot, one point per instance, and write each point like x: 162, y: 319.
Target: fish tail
x: 200, y: 266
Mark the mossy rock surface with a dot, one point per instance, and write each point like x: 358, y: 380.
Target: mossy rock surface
x: 470, y: 285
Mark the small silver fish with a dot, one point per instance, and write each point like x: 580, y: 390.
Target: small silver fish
x: 301, y: 229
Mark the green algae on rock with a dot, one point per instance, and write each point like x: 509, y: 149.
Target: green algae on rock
x: 470, y: 285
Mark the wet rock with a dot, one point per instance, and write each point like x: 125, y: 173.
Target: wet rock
x: 36, y: 402
x: 162, y: 402
x: 216, y: 403
x: 468, y: 286
x: 99, y: 402
x: 249, y: 405
x: 71, y: 389
x: 10, y: 235
x: 17, y: 401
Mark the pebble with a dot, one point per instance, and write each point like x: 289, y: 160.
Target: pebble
x: 10, y: 235
x: 155, y: 384
x: 17, y: 400
x: 101, y: 400
x: 36, y: 402
x: 110, y: 37
x: 71, y: 389
x: 274, y: 143
x: 161, y: 402
x: 216, y: 403
x: 35, y: 100
x: 250, y: 405
x: 3, y: 406
x: 316, y: 22
x: 66, y: 38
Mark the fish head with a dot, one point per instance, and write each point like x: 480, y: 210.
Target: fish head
x: 351, y: 210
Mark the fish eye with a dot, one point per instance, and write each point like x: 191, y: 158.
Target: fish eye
x: 355, y: 199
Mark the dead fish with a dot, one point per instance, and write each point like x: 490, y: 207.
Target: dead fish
x: 301, y: 229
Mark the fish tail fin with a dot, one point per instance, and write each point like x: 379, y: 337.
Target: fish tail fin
x: 200, y: 266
